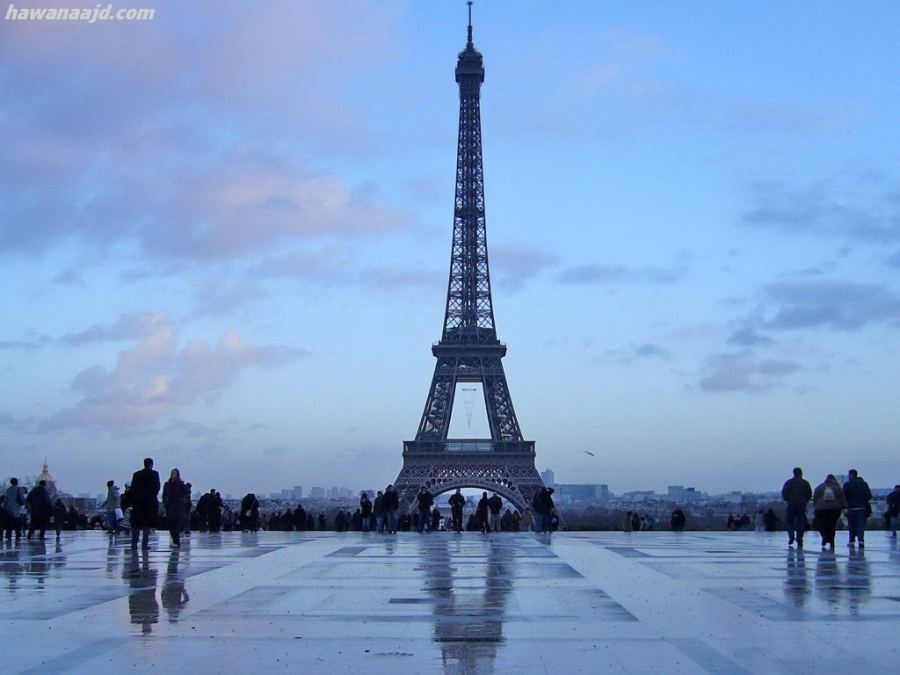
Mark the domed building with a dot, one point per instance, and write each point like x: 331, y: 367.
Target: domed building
x: 45, y: 476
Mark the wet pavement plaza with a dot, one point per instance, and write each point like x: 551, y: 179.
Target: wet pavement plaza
x: 605, y: 602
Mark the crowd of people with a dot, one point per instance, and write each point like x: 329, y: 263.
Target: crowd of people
x: 138, y: 509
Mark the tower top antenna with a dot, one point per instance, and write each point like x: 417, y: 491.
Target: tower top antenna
x: 470, y: 22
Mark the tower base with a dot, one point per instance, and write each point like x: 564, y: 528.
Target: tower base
x: 504, y: 467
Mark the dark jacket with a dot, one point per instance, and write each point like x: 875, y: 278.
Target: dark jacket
x: 365, y: 505
x: 425, y: 500
x: 495, y: 503
x: 174, y: 497
x: 390, y: 501
x: 457, y: 501
x: 144, y: 492
x: 39, y: 504
x: 857, y: 492
x: 893, y: 502
x: 796, y: 490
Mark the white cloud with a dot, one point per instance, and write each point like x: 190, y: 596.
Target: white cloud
x: 156, y: 377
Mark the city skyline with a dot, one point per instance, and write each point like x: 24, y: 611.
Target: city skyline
x: 226, y: 235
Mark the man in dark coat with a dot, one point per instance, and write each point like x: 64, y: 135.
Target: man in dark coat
x: 144, y: 503
x: 858, y: 496
x: 457, y: 503
x: 40, y: 507
x: 495, y: 504
x: 425, y: 501
x: 797, y: 492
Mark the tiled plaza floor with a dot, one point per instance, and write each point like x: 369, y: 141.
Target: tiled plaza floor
x: 650, y: 602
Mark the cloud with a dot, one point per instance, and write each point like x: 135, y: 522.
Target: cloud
x: 862, y: 207
x: 127, y: 327
x: 742, y: 371
x: 513, y: 266
x: 612, y: 274
x: 638, y: 352
x: 748, y: 337
x: 156, y: 377
x: 23, y: 345
x: 144, y: 149
x: 217, y: 300
x: 825, y: 303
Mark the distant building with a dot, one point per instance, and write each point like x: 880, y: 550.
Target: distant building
x: 548, y: 477
x: 317, y: 493
x: 583, y: 492
x: 679, y: 493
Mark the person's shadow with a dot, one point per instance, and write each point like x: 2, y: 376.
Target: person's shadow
x: 174, y: 595
x: 142, y: 605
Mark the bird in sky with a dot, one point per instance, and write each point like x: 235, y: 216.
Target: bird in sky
x: 590, y: 453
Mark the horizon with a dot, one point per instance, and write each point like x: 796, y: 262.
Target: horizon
x: 226, y: 239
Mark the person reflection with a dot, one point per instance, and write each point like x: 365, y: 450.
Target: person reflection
x: 469, y: 612
x: 37, y: 565
x: 828, y: 582
x: 174, y: 595
x: 141, y: 578
x: 796, y: 585
x: 859, y: 581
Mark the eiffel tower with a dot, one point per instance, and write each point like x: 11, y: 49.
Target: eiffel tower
x: 469, y: 350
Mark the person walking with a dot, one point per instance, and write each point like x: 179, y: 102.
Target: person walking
x: 457, y: 502
x: 13, y: 502
x: 144, y: 503
x: 828, y: 502
x: 174, y: 495
x: 40, y: 508
x: 797, y: 492
x: 858, y: 495
x: 112, y: 504
x: 893, y: 504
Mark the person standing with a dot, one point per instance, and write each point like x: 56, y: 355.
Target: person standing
x: 144, y: 503
x: 112, y: 504
x: 391, y: 503
x: 481, y: 512
x: 858, y: 495
x: 828, y: 502
x: 215, y: 511
x: 59, y: 517
x: 678, y: 520
x: 13, y: 503
x: 893, y: 504
x: 378, y: 512
x: 797, y: 492
x: 457, y: 502
x: 495, y: 504
x: 40, y: 507
x: 425, y: 500
x: 174, y: 495
x: 365, y: 511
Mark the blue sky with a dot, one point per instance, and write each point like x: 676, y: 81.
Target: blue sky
x: 225, y: 238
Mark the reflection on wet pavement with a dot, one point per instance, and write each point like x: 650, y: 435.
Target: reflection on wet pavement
x: 655, y: 602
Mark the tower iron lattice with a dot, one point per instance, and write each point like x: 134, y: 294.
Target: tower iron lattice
x: 469, y: 350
